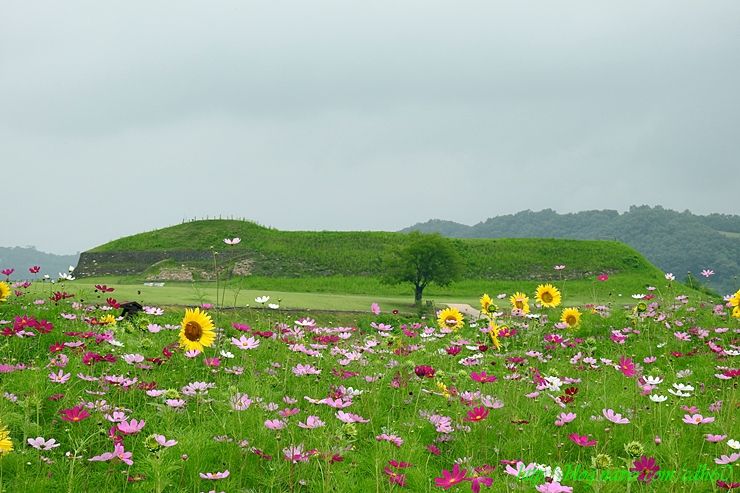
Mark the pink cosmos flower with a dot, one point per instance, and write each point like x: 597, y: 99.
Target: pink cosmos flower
x: 350, y: 417
x: 215, y: 475
x: 302, y: 370
x: 275, y: 424
x: 564, y: 418
x: 163, y: 442
x: 554, y: 487
x: 707, y: 272
x: 697, y: 419
x: 60, y: 377
x: 232, y: 241
x: 118, y: 453
x: 132, y: 427
x: 603, y: 277
x: 715, y: 438
x: 615, y: 418
x: 394, y: 439
x: 581, y: 440
x: 451, y: 478
x: 295, y: 454
x: 375, y: 309
x: 312, y: 422
x: 245, y: 343
x: 727, y: 459
x: 240, y: 402
x: 39, y: 443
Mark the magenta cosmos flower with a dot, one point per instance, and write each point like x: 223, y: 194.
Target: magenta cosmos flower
x: 477, y: 414
x: 647, y: 467
x: 77, y: 413
x: 451, y: 478
x: 581, y: 440
x: 132, y: 427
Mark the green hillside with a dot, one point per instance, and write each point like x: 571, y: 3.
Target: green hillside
x: 677, y: 242
x: 266, y: 252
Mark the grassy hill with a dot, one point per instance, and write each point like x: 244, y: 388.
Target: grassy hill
x: 272, y: 253
x: 677, y: 242
x: 342, y: 269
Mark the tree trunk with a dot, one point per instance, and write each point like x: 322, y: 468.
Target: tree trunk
x: 417, y: 295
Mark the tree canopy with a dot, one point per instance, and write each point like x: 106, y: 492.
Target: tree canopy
x: 424, y: 259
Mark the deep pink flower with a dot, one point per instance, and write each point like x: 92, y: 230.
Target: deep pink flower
x: 482, y: 377
x: 424, y: 371
x: 477, y: 414
x: 581, y: 440
x: 35, y: 269
x: 451, y: 478
x: 627, y: 366
x: 647, y: 467
x: 77, y: 413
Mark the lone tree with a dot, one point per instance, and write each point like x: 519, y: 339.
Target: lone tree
x: 423, y: 259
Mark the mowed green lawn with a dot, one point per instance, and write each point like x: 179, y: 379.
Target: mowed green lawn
x: 343, y: 293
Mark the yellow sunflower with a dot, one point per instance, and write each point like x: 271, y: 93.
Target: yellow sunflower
x: 197, y: 330
x: 520, y: 301
x: 493, y: 331
x: 571, y: 317
x: 734, y: 299
x: 486, y: 304
x: 4, y: 290
x: 450, y: 318
x: 108, y: 319
x: 548, y: 295
x: 736, y: 312
x: 6, y: 444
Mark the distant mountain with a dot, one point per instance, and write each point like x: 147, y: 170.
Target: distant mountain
x: 677, y: 242
x: 21, y: 258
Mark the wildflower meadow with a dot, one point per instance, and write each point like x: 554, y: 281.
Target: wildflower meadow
x: 528, y: 392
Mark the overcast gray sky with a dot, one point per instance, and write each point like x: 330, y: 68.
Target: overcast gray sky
x: 120, y: 117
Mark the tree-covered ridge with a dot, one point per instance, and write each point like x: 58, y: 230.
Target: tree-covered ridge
x: 21, y: 258
x: 678, y: 242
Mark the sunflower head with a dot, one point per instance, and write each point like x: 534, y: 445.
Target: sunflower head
x: 4, y: 290
x: 197, y: 330
x: 571, y: 317
x: 520, y: 301
x: 493, y: 330
x: 736, y: 312
x: 450, y: 318
x: 6, y: 444
x: 734, y: 299
x: 548, y: 295
x: 486, y: 304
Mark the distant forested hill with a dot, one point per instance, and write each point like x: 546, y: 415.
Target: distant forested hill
x: 21, y: 258
x: 678, y: 242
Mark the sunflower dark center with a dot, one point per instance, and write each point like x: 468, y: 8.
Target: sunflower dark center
x: 570, y: 320
x: 519, y: 304
x: 193, y: 331
x: 451, y: 321
x: 547, y: 297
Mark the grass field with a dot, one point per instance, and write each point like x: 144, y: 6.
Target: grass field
x: 624, y: 400
x: 357, y: 293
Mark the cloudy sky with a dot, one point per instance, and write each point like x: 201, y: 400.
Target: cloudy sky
x: 120, y: 117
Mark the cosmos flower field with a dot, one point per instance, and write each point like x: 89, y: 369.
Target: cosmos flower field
x: 530, y: 396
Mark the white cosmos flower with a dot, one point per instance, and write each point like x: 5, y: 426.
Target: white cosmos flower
x: 682, y: 387
x: 734, y: 444
x: 262, y: 299
x: 274, y: 306
x: 652, y: 380
x: 658, y: 398
x: 678, y: 393
x: 638, y: 296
